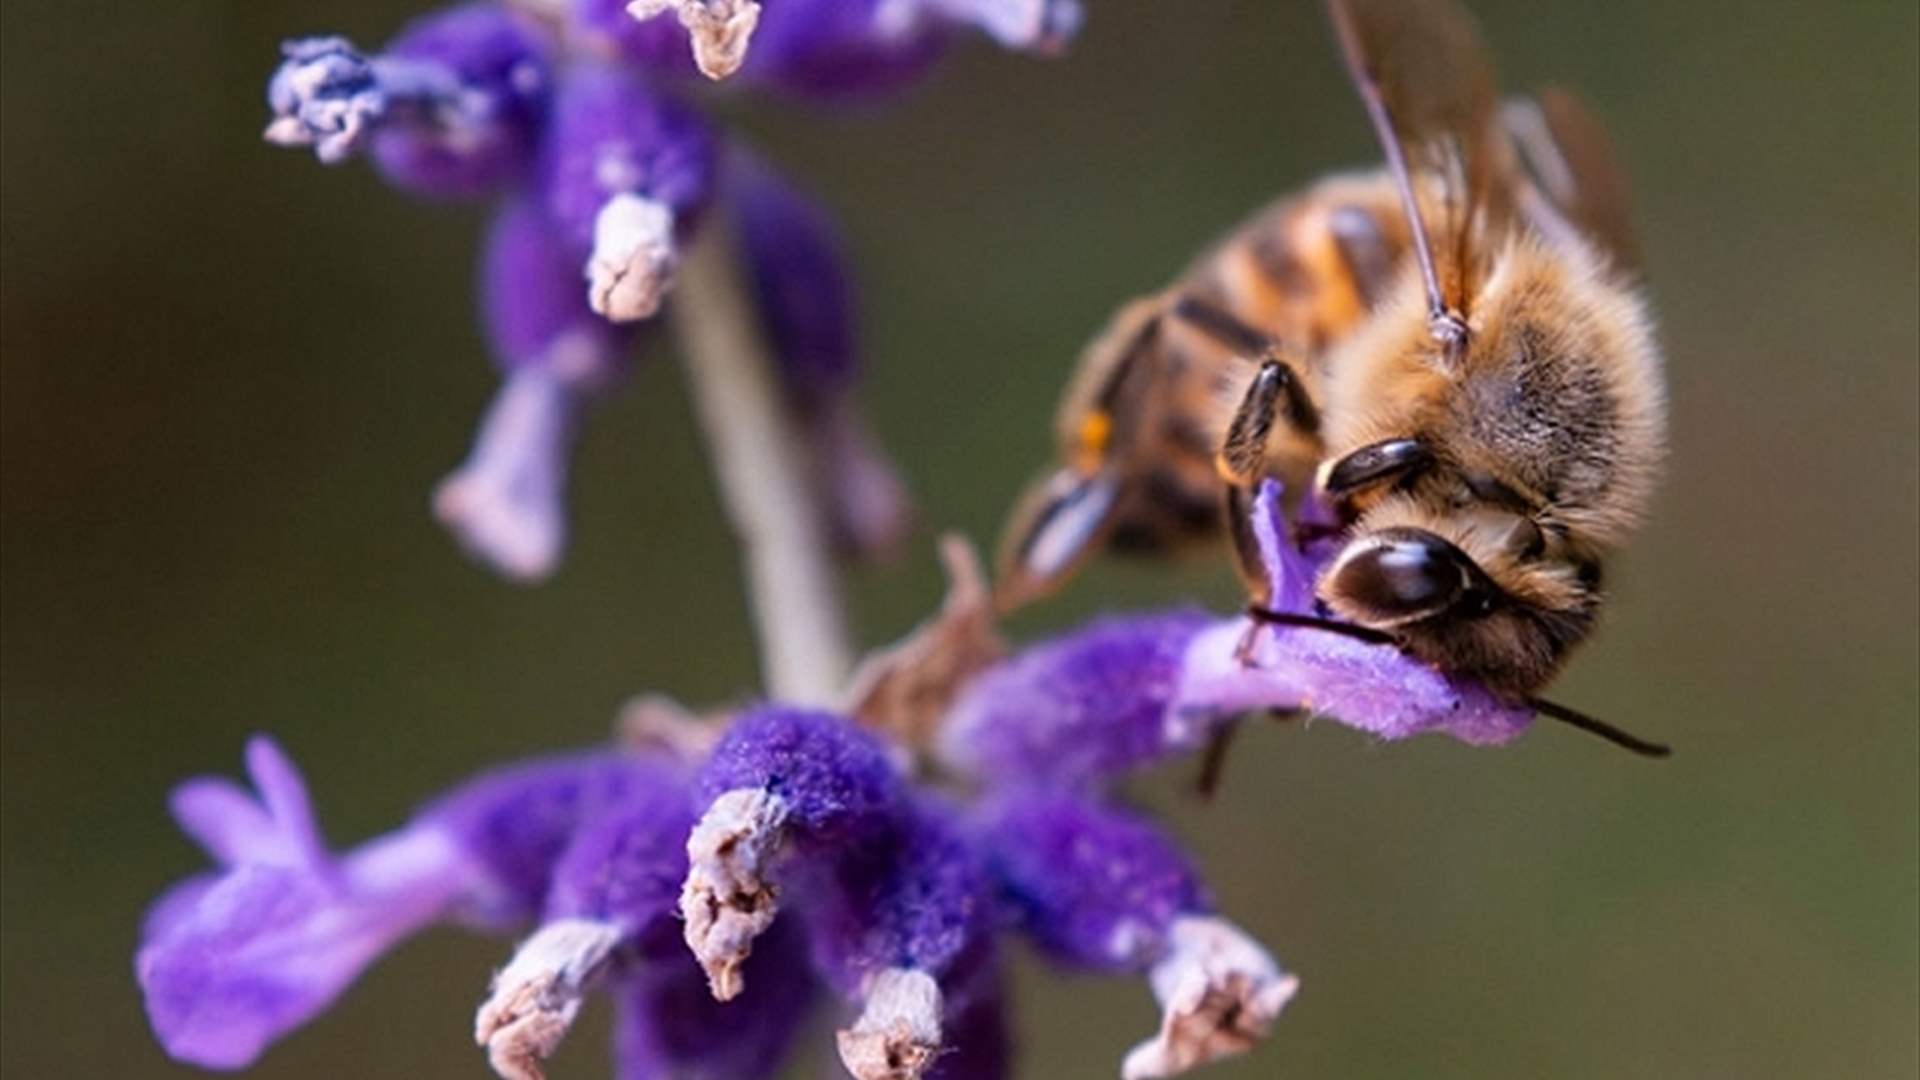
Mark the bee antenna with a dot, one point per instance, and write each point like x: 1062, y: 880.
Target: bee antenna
x: 1593, y: 726
x: 1315, y: 622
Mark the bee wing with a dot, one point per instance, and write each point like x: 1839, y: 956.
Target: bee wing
x: 1427, y: 82
x: 1570, y: 161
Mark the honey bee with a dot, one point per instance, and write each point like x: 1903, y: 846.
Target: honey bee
x: 1451, y: 351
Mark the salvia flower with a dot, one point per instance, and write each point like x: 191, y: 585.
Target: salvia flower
x: 719, y: 878
x: 569, y: 113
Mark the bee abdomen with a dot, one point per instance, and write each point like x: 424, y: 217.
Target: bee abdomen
x: 1308, y: 268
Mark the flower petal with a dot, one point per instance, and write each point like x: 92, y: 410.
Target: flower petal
x: 1094, y: 887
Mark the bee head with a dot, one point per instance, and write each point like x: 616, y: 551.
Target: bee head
x: 1469, y: 588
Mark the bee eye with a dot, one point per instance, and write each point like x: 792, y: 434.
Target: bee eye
x: 1400, y: 574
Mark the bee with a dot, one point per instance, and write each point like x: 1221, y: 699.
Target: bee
x: 1450, y: 351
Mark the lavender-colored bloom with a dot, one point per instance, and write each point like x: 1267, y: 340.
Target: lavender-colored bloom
x: 782, y: 783
x: 1082, y: 707
x: 506, y: 503
x: 569, y: 106
x: 666, y: 1023
x: 231, y: 961
x: 625, y: 172
x: 450, y: 108
x: 836, y: 781
x: 797, y: 840
x: 806, y: 810
x: 1095, y: 888
x: 911, y: 895
x: 1127, y: 692
x: 797, y: 851
x: 611, y: 903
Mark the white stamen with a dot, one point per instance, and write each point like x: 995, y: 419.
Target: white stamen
x: 726, y: 900
x: 1219, y: 992
x: 720, y: 29
x: 898, y: 1033
x: 633, y: 258
x: 537, y: 995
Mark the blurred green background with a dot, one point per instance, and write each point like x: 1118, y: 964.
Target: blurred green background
x: 231, y: 377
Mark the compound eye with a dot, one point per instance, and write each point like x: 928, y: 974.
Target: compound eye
x: 1400, y: 575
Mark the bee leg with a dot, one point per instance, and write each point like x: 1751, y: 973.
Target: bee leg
x: 1274, y: 397
x: 1213, y: 761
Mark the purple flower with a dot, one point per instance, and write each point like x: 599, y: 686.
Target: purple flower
x: 624, y: 173
x: 1098, y: 889
x: 667, y: 1024
x: 450, y: 109
x: 1128, y: 692
x: 714, y: 885
x: 232, y: 960
x: 506, y: 504
x: 571, y: 113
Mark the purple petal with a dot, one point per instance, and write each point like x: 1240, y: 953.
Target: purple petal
x: 225, y: 820
x: 1080, y: 708
x: 284, y: 794
x: 449, y: 109
x: 506, y: 503
x: 229, y: 965
x: 467, y: 147
x: 658, y: 46
x: 515, y: 822
x: 1290, y: 573
x: 835, y: 779
x: 613, y: 134
x: 667, y: 1024
x: 625, y: 865
x: 1373, y: 688
x: 1094, y: 887
x: 534, y: 303
x: 277, y: 827
x: 800, y: 281
x: 912, y: 896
